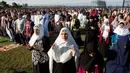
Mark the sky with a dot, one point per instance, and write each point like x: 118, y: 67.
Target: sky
x: 47, y: 2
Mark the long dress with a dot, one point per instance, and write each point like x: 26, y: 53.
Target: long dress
x: 76, y: 34
x: 40, y: 58
x: 75, y: 24
x: 91, y: 34
x: 120, y: 64
x: 68, y: 67
x: 88, y: 63
x: 104, y: 43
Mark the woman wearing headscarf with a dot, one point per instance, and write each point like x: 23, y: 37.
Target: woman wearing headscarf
x: 121, y: 45
x: 91, y: 61
x: 104, y: 40
x: 92, y: 31
x: 80, y: 17
x: 74, y: 27
x: 64, y: 53
x: 115, y: 23
x: 75, y: 23
x: 39, y: 50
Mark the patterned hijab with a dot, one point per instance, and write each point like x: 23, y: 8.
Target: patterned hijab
x: 35, y: 37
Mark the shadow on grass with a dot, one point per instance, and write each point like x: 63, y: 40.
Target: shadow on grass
x: 15, y: 71
x: 21, y: 72
x: 4, y: 41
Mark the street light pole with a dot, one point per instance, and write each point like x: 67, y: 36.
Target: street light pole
x: 123, y: 3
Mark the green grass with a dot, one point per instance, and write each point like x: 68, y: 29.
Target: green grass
x: 17, y: 60
x: 83, y: 37
x: 4, y: 41
x: 82, y: 27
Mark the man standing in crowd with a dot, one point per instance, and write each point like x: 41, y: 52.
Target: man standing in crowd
x: 3, y: 23
x: 45, y: 22
x: 20, y: 25
x: 28, y: 28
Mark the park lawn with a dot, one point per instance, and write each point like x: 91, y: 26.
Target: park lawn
x: 82, y: 27
x: 4, y: 41
x: 18, y: 60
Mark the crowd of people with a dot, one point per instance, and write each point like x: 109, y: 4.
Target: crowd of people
x: 106, y: 48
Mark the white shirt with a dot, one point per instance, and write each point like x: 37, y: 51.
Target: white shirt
x: 57, y: 17
x: 20, y: 24
x: 37, y: 19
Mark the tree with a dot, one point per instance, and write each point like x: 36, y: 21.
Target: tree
x: 19, y: 6
x: 14, y: 4
x: 25, y: 5
x: 3, y: 4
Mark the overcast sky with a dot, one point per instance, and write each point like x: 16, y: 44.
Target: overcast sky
x: 41, y: 2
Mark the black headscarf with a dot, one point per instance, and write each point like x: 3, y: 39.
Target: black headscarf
x: 87, y: 62
x: 91, y: 34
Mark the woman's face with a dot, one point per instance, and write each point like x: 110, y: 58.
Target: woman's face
x: 121, y: 25
x: 37, y: 31
x: 64, y: 36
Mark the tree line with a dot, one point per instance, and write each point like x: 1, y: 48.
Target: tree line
x: 3, y: 4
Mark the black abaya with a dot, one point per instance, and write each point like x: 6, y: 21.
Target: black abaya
x: 68, y: 67
x: 103, y: 48
x: 87, y: 62
x: 41, y: 68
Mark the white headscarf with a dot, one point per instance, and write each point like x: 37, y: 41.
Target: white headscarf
x: 122, y: 32
x: 60, y: 51
x: 35, y: 37
x: 105, y: 28
x: 115, y: 23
